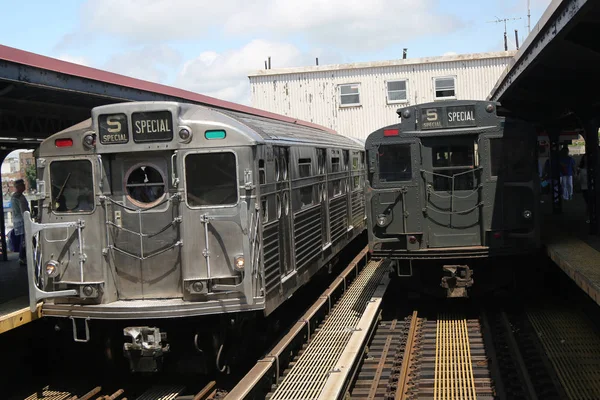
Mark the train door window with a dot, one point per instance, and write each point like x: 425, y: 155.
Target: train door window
x: 145, y: 185
x: 278, y: 206
x: 265, y: 210
x: 304, y: 167
x: 72, y: 183
x: 284, y: 165
x: 262, y: 177
x: 444, y: 88
x: 345, y: 158
x: 276, y: 169
x: 216, y: 185
x: 286, y: 203
x: 395, y: 163
x: 453, y: 167
x: 321, y: 155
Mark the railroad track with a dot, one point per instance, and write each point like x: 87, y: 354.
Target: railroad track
x: 417, y: 357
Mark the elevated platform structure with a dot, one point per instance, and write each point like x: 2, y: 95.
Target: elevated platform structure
x: 569, y: 244
x: 553, y: 82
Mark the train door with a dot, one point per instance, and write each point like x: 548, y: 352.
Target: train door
x: 282, y: 200
x: 144, y: 232
x: 451, y: 178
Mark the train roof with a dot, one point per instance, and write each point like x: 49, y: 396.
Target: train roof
x: 243, y: 129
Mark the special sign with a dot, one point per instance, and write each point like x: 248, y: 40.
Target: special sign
x: 113, y: 128
x: 152, y: 126
x: 448, y: 117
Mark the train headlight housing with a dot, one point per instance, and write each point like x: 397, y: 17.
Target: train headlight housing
x: 382, y: 220
x: 185, y: 134
x: 527, y: 214
x: 52, y: 268
x: 89, y: 140
x: 239, y: 263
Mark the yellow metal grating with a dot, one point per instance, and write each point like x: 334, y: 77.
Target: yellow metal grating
x: 573, y: 347
x: 307, y: 377
x: 48, y: 394
x: 453, y: 366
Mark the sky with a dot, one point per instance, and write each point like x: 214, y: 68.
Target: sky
x: 210, y: 47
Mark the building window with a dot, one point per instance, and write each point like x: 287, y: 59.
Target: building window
x: 350, y: 95
x: 445, y: 88
x: 396, y: 92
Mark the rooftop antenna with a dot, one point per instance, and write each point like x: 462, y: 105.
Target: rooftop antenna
x: 528, y: 17
x: 497, y: 21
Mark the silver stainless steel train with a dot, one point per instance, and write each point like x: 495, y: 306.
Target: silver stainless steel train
x: 160, y: 210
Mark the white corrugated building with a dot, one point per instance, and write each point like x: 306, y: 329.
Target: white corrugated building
x: 356, y: 99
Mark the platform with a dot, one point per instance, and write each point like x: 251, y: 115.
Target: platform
x: 14, y: 301
x: 568, y: 243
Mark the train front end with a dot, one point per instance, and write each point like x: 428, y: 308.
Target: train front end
x: 149, y: 212
x: 453, y: 181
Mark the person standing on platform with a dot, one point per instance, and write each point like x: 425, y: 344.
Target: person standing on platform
x: 567, y: 168
x: 19, y: 205
x: 583, y: 183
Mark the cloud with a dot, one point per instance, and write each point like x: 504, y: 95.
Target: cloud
x: 348, y: 24
x: 145, y: 62
x: 225, y: 75
x: 74, y: 59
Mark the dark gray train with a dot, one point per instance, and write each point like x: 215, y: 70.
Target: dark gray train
x: 452, y: 181
x: 160, y: 210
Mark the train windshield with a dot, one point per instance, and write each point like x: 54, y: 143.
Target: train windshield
x: 452, y: 167
x: 72, y: 186
x: 211, y: 179
x: 394, y: 163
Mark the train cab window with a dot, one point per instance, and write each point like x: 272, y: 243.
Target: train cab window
x: 145, y: 185
x: 304, y: 167
x: 453, y: 167
x: 72, y: 186
x: 345, y: 158
x: 262, y: 177
x: 395, y: 163
x: 211, y: 179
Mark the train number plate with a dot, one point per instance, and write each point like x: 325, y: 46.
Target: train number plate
x: 113, y: 129
x: 152, y: 126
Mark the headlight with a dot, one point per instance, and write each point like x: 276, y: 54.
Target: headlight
x: 382, y: 220
x: 52, y: 268
x: 239, y: 263
x: 527, y: 214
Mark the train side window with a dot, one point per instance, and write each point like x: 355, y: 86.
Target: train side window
x: 306, y: 197
x: 335, y: 164
x: 216, y: 185
x: 395, y: 163
x: 304, y: 167
x: 262, y: 177
x: 276, y: 169
x: 72, y: 186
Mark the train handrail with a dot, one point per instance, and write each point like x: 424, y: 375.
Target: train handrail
x: 32, y: 230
